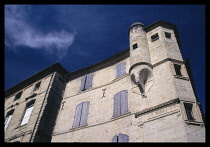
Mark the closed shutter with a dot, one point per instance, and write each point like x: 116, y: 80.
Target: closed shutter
x: 120, y: 69
x: 84, y: 113
x: 82, y: 87
x: 77, y: 116
x: 122, y: 138
x: 124, y: 101
x: 116, y: 104
x: 114, y: 139
x: 89, y: 80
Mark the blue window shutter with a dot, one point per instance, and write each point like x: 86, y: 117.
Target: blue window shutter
x: 84, y: 115
x: 89, y: 80
x: 116, y: 104
x: 118, y: 70
x: 77, y: 116
x: 114, y: 139
x: 122, y: 138
x: 124, y: 101
x: 82, y: 87
x: 122, y: 68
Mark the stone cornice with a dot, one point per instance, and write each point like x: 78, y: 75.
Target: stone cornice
x: 174, y: 101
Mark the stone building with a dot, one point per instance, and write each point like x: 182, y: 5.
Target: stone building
x: 143, y: 94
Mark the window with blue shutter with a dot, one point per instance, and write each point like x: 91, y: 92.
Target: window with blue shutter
x: 81, y: 114
x: 120, y: 103
x: 120, y: 138
x: 120, y: 69
x: 86, y: 82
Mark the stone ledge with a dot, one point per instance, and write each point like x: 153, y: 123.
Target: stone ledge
x: 121, y: 116
x: 137, y: 114
x: 197, y: 123
x: 181, y: 77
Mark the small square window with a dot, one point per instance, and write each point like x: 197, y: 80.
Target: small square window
x: 135, y: 46
x: 168, y: 35
x: 177, y: 68
x: 155, y: 37
x: 17, y: 96
x: 37, y: 86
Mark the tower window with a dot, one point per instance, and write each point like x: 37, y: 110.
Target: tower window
x: 155, y: 37
x: 188, y: 109
x: 168, y: 35
x: 177, y: 68
x: 135, y: 46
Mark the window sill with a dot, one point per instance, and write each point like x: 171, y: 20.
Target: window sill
x: 118, y: 78
x: 121, y: 116
x: 78, y: 128
x: 194, y: 122
x: 181, y: 77
x: 21, y: 126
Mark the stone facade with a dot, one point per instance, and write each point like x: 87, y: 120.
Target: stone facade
x: 142, y: 94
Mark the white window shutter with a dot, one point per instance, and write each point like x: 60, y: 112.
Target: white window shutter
x: 27, y: 115
x: 7, y: 120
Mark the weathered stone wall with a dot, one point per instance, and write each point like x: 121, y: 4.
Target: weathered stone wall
x: 22, y: 133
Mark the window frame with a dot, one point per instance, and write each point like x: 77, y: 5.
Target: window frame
x: 37, y: 86
x: 196, y: 113
x: 183, y: 70
x: 120, y: 70
x: 18, y: 96
x: 177, y: 68
x: 135, y: 46
x: 81, y: 114
x: 155, y: 37
x: 120, y: 103
x: 120, y: 138
x: 28, y: 106
x: 86, y: 82
x: 167, y: 35
x: 189, y: 113
x: 8, y: 117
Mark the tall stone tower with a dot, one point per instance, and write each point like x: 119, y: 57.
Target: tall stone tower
x: 140, y: 62
x: 159, y: 74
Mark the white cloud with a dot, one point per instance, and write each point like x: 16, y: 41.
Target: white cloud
x: 19, y: 32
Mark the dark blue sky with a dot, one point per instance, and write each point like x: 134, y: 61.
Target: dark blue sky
x: 37, y: 36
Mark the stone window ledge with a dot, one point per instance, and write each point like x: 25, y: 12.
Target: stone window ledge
x: 121, y: 116
x: 181, y: 77
x: 78, y: 128
x: 194, y: 122
x: 21, y: 126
